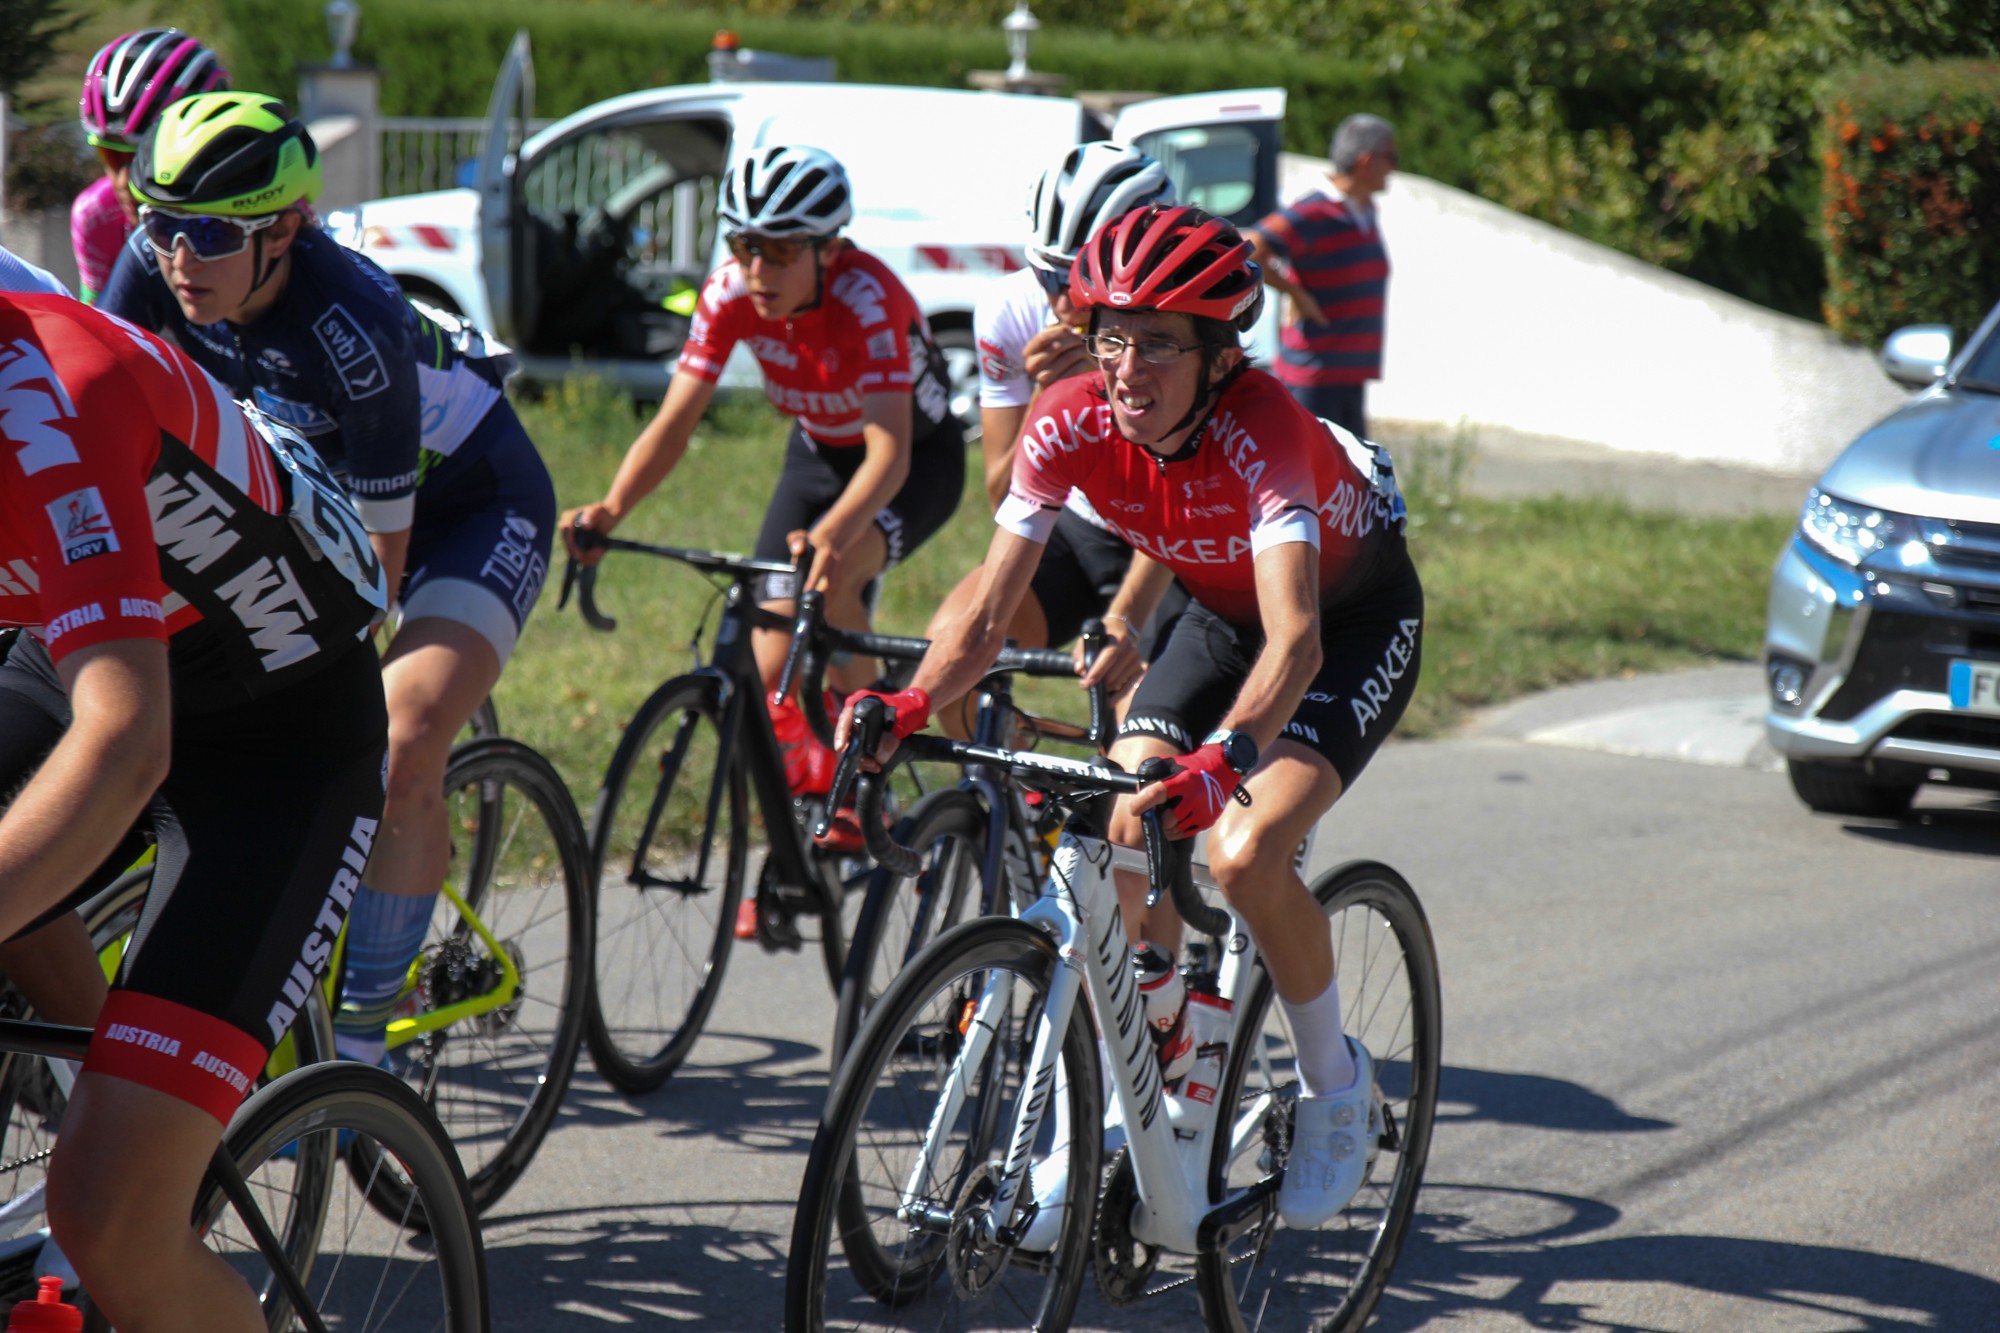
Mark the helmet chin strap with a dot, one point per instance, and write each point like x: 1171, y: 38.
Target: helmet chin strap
x: 264, y: 272
x: 1201, y: 407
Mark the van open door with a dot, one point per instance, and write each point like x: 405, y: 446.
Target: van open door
x: 1220, y: 149
x: 503, y: 257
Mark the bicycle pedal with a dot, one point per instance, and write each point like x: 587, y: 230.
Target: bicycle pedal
x: 777, y: 930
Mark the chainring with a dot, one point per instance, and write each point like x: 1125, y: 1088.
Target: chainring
x: 1123, y: 1263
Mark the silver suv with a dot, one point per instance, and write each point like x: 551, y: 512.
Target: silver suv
x: 1882, y: 643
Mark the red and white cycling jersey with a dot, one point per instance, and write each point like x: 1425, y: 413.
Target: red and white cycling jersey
x: 865, y: 336
x: 138, y: 502
x: 1263, y: 472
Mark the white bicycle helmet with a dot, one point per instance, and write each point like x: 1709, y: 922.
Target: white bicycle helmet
x: 786, y: 190
x: 1095, y: 183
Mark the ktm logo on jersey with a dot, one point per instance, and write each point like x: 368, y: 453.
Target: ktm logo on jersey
x: 862, y: 293
x: 32, y: 403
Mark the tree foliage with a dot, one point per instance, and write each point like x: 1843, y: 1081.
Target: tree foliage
x: 29, y: 32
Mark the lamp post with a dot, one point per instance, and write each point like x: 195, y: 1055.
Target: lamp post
x: 343, y: 19
x: 1020, y: 27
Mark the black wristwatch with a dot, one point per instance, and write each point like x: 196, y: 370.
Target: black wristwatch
x: 1237, y: 747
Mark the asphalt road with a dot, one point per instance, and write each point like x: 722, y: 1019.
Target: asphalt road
x: 1712, y: 1062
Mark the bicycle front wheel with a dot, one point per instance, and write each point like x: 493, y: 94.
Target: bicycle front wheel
x: 1329, y: 1279
x: 909, y: 1221
x: 493, y: 1015
x: 670, y: 841
x: 361, y: 1271
x: 899, y: 915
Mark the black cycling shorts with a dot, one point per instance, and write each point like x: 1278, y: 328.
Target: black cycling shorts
x: 813, y: 478
x: 1372, y: 644
x: 263, y: 826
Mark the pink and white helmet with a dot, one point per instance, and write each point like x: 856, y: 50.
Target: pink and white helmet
x: 133, y: 79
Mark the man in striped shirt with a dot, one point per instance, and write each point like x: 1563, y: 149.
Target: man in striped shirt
x: 1324, y: 252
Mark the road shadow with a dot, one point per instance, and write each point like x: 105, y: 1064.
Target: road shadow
x: 1486, y: 1250
x: 739, y: 1088
x: 1958, y: 830
x: 1500, y: 1097
x: 1512, y: 1256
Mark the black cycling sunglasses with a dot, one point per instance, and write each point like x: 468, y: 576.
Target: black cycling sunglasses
x: 1054, y: 283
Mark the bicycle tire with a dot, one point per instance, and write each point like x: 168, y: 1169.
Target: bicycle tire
x: 32, y: 1099
x: 664, y: 925
x: 912, y: 1036
x: 1330, y: 1279
x: 497, y: 1079
x: 899, y: 916
x: 361, y: 1270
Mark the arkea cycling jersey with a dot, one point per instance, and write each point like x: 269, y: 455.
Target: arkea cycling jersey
x: 865, y: 336
x: 1009, y: 314
x: 97, y: 231
x: 342, y: 358
x: 1259, y: 473
x: 138, y: 502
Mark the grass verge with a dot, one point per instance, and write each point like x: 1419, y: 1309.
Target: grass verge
x: 1521, y: 595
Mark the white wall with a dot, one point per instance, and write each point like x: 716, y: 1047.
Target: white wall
x: 1498, y: 320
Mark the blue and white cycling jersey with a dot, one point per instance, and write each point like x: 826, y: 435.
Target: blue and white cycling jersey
x: 343, y: 359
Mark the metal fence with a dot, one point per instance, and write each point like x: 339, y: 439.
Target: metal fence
x: 423, y: 153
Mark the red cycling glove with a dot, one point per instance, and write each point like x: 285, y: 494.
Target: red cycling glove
x: 1202, y: 787
x: 911, y: 708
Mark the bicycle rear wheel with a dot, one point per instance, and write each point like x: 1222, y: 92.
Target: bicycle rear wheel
x: 496, y: 1076
x: 1330, y: 1279
x: 899, y: 916
x: 670, y: 843
x: 423, y: 1270
x: 926, y: 1267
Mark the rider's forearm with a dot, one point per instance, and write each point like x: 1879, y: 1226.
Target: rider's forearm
x: 1138, y: 595
x: 999, y: 432
x: 960, y: 655
x: 1276, y: 684
x: 660, y: 446
x: 393, y: 550
x: 875, y: 483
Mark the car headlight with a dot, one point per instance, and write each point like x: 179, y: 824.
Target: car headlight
x: 344, y: 226
x: 1858, y: 535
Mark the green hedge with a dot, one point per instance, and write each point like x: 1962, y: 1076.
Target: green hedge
x: 438, y: 58
x: 1911, y: 202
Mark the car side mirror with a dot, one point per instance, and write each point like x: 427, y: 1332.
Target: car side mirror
x: 1917, y: 355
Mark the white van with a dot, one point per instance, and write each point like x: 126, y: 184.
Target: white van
x: 584, y: 248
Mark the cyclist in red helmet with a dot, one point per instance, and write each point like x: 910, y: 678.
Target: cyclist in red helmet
x: 1299, y: 651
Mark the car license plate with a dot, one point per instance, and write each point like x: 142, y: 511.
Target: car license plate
x: 1975, y: 686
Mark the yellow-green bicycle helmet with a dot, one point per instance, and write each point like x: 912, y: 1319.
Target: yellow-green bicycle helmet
x: 236, y: 154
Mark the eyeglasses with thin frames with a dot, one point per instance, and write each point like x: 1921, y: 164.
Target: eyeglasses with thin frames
x: 1154, y: 351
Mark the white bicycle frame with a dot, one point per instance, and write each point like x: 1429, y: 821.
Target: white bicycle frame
x: 1079, y: 910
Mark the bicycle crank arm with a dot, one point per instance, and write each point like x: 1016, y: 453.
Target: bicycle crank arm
x: 1229, y: 1220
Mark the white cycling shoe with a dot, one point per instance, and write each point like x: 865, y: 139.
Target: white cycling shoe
x: 1333, y: 1142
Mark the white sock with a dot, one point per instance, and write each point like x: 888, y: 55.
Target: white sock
x: 1325, y: 1064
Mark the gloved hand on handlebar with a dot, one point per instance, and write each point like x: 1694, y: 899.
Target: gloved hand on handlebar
x: 910, y: 710
x: 1198, y: 792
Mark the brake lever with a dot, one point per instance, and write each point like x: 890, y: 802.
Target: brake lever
x: 870, y: 716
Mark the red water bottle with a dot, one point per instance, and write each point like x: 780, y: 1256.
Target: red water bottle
x: 46, y: 1313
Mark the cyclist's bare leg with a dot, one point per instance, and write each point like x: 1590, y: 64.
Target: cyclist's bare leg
x: 435, y: 674
x: 1029, y: 628
x: 121, y: 1187
x: 57, y: 970
x: 1250, y: 854
x: 1162, y: 925
x: 844, y: 608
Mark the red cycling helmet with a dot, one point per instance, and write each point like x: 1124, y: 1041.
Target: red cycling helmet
x: 1181, y: 260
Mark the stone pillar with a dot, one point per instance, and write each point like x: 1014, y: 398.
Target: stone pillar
x: 341, y: 106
